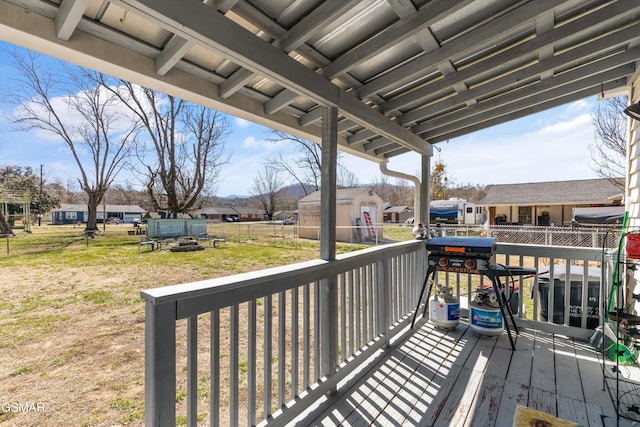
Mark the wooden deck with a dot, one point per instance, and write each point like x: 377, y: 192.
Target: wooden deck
x: 456, y: 378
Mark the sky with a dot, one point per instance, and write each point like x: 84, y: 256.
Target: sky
x: 549, y: 146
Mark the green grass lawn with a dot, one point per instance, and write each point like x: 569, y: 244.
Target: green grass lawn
x: 73, y: 320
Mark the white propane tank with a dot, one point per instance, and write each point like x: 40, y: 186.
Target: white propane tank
x: 444, y: 309
x: 486, y: 317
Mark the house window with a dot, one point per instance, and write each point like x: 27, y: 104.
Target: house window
x: 71, y: 215
x: 524, y: 214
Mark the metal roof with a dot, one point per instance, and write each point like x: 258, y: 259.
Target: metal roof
x: 404, y: 74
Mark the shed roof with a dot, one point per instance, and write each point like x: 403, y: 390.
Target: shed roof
x: 342, y: 194
x: 586, y: 191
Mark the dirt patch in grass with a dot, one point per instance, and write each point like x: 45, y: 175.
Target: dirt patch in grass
x: 72, y: 351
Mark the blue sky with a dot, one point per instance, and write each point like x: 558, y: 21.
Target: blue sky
x: 549, y: 146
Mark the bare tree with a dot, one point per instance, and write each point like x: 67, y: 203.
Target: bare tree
x: 609, y: 152
x: 73, y: 108
x: 187, y: 143
x: 267, y: 189
x: 306, y: 169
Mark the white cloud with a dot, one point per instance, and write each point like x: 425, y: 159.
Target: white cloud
x: 242, y: 123
x: 562, y: 129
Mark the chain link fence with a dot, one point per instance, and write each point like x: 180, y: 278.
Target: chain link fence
x: 283, y: 234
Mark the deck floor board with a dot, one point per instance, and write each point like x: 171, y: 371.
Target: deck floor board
x: 456, y: 378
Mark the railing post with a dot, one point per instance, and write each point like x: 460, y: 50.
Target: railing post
x: 384, y: 298
x: 160, y: 364
x: 329, y: 324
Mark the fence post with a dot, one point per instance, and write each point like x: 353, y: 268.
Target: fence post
x: 160, y: 364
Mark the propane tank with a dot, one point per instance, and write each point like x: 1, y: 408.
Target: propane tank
x: 444, y: 308
x: 486, y: 317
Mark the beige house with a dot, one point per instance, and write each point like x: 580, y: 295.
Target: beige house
x: 358, y: 212
x: 546, y: 203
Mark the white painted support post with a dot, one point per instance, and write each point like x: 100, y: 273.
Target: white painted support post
x: 160, y: 364
x: 329, y: 285
x: 424, y: 215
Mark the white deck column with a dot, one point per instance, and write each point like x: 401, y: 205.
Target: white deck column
x: 632, y: 195
x: 423, y: 213
x: 329, y: 285
x: 160, y: 364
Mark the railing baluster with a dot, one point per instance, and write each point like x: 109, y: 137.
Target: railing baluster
x: 295, y: 339
x: 214, y: 411
x: 192, y: 371
x: 355, y: 279
x: 252, y: 364
x: 267, y: 380
x: 536, y: 295
x: 343, y: 319
x: 306, y: 337
x: 373, y: 303
x: 352, y: 307
x: 316, y: 331
x: 234, y: 362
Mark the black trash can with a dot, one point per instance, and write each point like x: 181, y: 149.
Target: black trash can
x: 575, y: 295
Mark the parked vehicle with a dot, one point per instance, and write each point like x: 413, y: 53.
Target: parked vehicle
x: 456, y: 211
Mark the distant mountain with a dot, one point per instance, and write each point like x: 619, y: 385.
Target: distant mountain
x: 233, y: 197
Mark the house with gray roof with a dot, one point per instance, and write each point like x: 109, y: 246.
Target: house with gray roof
x: 77, y: 213
x: 546, y: 203
x: 397, y: 214
x: 219, y: 214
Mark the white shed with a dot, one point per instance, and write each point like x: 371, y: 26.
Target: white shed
x: 358, y: 215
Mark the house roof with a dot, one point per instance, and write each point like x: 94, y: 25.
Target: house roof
x: 67, y: 207
x: 587, y: 191
x: 397, y: 209
x: 249, y: 211
x: 344, y: 194
x: 219, y: 211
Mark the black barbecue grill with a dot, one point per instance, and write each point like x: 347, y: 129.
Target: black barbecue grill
x: 470, y: 255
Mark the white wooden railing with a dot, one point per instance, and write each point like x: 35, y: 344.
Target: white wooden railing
x: 260, y: 347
